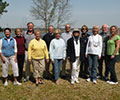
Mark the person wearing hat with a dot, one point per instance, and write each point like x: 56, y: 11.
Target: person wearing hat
x: 57, y: 53
x: 73, y: 53
x: 93, y: 53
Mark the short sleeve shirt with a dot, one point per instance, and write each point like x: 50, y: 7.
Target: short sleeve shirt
x: 111, y: 45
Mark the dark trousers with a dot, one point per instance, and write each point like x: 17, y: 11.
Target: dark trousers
x: 84, y: 68
x: 47, y: 68
x: 111, y: 64
x: 20, y: 60
x: 100, y: 66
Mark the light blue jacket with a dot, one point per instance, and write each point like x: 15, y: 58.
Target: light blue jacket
x: 57, y: 49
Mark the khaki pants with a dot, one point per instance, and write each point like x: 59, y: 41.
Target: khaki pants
x: 38, y: 67
x: 27, y: 69
x: 5, y: 66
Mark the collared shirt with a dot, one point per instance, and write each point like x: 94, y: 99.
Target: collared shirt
x: 105, y: 38
x: 28, y: 38
x: 65, y: 36
x: 77, y: 48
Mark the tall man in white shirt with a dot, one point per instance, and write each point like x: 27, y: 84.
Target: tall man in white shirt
x: 65, y: 36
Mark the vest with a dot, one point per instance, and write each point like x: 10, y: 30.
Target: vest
x: 8, y: 47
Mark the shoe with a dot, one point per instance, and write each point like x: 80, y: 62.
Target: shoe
x: 40, y: 82
x: 113, y: 83
x: 26, y: 79
x: 6, y: 83
x: 106, y: 79
x: 17, y: 83
x: 94, y: 81
x: 37, y: 84
x: 72, y: 82
x: 88, y: 80
x: 77, y: 82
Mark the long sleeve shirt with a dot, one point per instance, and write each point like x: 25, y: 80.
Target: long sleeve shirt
x: 57, y: 49
x: 66, y: 36
x: 94, y: 45
x: 37, y: 49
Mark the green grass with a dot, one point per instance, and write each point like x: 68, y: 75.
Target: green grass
x: 63, y: 91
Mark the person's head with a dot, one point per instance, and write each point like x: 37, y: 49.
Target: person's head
x: 95, y: 29
x: 37, y: 34
x: 67, y: 28
x: 57, y: 33
x: 7, y: 32
x: 114, y: 30
x: 76, y: 32
x: 104, y: 28
x: 84, y: 29
x: 18, y: 31
x: 30, y: 26
x: 50, y: 29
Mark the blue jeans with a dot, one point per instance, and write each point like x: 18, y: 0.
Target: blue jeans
x: 111, y: 64
x: 57, y: 65
x: 92, y: 60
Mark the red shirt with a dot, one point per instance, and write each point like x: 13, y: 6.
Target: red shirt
x: 20, y: 44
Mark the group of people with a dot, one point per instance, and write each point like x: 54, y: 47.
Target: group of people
x: 85, y: 53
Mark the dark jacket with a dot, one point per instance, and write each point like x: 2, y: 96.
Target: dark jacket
x: 71, y: 50
x: 47, y: 38
x: 83, y: 44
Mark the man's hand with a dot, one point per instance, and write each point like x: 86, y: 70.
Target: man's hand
x: 3, y: 59
x: 47, y: 60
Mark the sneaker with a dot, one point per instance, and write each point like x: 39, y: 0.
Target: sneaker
x: 6, y: 83
x: 77, y: 81
x: 72, y: 82
x: 94, y: 81
x: 17, y: 83
x: 113, y: 83
x: 88, y: 80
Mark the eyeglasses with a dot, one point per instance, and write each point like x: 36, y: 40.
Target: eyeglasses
x: 84, y: 29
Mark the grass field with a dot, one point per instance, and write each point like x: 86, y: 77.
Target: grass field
x: 63, y: 91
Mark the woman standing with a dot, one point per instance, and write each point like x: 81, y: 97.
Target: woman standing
x: 113, y: 45
x: 73, y: 53
x: 57, y: 53
x: 21, y: 51
x: 83, y: 59
x: 93, y: 52
x: 37, y: 51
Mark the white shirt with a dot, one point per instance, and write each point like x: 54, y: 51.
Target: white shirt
x: 66, y: 36
x: 77, y: 48
x: 94, y: 45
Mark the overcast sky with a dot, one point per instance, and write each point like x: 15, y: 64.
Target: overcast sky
x: 89, y: 12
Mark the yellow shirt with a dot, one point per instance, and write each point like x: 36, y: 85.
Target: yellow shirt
x: 37, y: 49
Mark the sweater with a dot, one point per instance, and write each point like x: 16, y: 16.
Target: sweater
x: 94, y: 45
x: 20, y: 45
x: 37, y: 49
x: 57, y: 49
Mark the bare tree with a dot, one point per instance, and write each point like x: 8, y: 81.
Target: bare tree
x: 55, y: 12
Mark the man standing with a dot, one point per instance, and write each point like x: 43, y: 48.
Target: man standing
x: 65, y: 36
x: 105, y: 36
x: 47, y: 38
x: 28, y: 36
